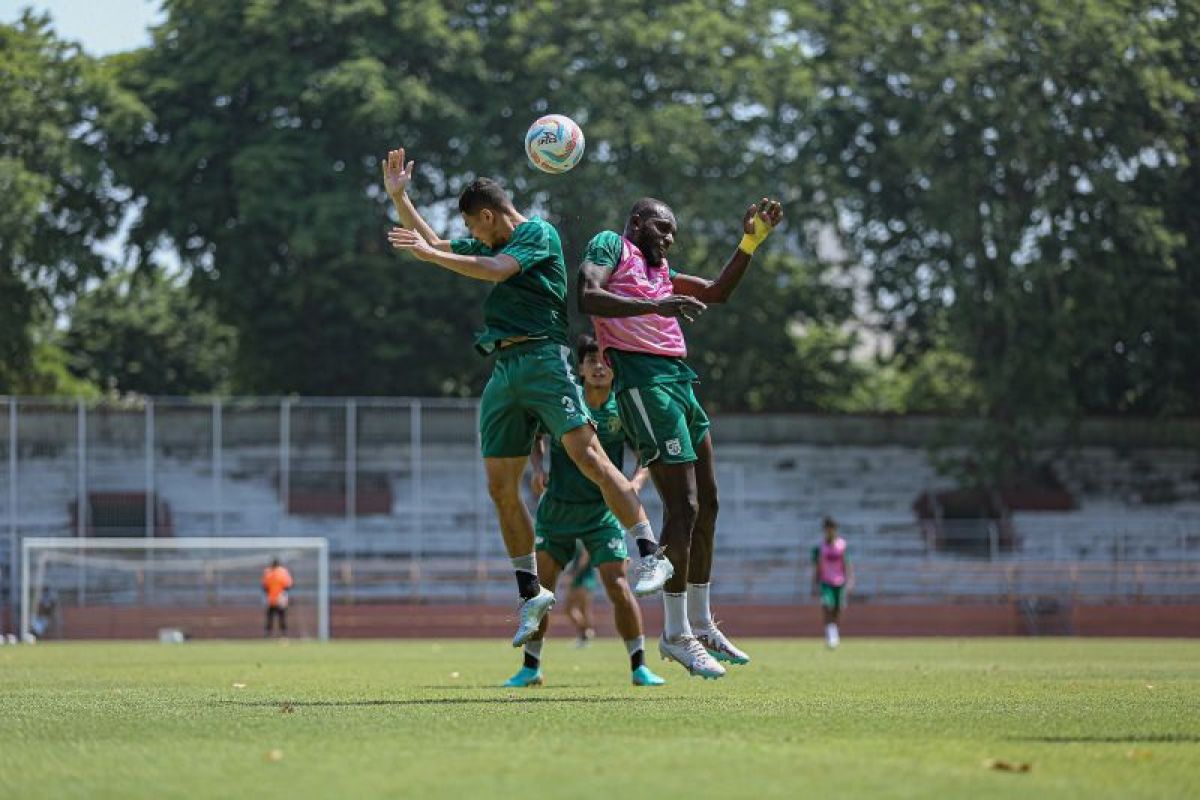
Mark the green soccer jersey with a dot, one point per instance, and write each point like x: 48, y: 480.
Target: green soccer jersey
x: 567, y: 483
x: 533, y: 302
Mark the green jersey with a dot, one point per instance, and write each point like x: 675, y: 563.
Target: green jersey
x: 567, y: 484
x: 533, y: 302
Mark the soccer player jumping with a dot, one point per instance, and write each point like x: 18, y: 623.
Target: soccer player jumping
x: 532, y: 383
x: 636, y: 301
x: 571, y: 512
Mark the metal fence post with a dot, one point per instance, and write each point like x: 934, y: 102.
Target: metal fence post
x: 285, y: 458
x: 14, y: 592
x: 81, y: 504
x: 217, y: 467
x: 418, y: 534
x: 351, y: 469
x: 149, y: 452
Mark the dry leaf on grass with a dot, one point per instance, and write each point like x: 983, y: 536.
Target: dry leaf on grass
x: 274, y: 755
x: 1007, y: 766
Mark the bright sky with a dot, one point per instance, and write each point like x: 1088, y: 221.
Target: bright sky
x: 101, y: 26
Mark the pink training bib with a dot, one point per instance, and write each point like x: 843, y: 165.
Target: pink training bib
x: 649, y: 333
x: 832, y: 562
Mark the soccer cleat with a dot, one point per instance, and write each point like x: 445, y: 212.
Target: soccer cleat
x: 584, y: 639
x: 642, y: 676
x: 524, y: 677
x: 832, y: 639
x: 719, y: 647
x: 687, y: 651
x: 651, y: 573
x: 531, y: 612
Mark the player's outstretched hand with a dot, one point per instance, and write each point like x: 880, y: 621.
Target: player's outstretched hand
x: 397, y: 173
x: 758, y: 222
x: 413, y: 242
x: 680, y: 305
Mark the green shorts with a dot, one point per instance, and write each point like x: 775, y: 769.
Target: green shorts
x: 532, y: 384
x: 559, y: 525
x: 833, y: 597
x: 664, y: 421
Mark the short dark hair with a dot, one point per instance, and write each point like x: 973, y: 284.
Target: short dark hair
x: 483, y: 193
x: 829, y: 522
x: 648, y: 206
x: 586, y: 344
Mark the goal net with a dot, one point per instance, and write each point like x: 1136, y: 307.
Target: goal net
x: 172, y: 589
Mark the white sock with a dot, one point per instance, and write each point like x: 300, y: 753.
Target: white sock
x: 525, y: 563
x: 699, y: 613
x: 675, y: 623
x: 643, y: 536
x: 633, y: 645
x: 534, y: 648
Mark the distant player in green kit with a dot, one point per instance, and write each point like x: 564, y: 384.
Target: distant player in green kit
x: 532, y: 383
x: 571, y: 513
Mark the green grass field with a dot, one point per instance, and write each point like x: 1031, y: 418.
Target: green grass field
x: 878, y: 718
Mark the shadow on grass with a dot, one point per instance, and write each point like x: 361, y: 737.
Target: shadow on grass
x: 1167, y: 738
x: 436, y: 701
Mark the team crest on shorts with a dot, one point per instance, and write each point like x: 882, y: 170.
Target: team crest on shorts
x: 674, y: 448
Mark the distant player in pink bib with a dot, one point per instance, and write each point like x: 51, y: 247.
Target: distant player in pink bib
x: 637, y: 301
x: 832, y: 578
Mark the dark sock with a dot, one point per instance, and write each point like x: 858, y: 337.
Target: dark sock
x: 532, y: 661
x: 646, y: 547
x: 638, y: 659
x: 527, y: 584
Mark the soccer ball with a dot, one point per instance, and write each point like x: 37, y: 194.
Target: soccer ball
x: 554, y: 143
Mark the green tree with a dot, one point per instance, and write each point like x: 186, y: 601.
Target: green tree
x: 149, y: 334
x: 262, y: 167
x: 59, y: 111
x: 1016, y: 177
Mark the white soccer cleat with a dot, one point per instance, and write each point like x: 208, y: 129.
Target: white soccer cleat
x: 531, y: 612
x: 651, y: 573
x: 719, y: 647
x: 688, y: 652
x: 832, y: 639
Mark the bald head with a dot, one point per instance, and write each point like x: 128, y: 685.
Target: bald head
x: 651, y: 226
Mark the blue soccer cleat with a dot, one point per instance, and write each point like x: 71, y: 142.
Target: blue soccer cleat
x: 524, y: 677
x: 531, y: 612
x: 642, y: 676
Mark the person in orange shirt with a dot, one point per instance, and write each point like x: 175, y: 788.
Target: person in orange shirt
x: 276, y: 581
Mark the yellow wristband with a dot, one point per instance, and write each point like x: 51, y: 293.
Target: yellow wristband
x: 749, y: 244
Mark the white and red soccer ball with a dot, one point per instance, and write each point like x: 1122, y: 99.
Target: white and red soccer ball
x: 554, y: 143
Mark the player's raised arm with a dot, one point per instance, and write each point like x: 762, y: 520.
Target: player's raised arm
x: 493, y: 269
x: 597, y: 301
x: 757, y: 223
x: 397, y: 175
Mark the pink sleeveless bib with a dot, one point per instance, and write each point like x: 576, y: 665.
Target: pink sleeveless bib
x: 832, y: 562
x: 649, y: 333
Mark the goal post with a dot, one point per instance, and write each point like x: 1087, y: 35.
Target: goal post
x: 203, y: 586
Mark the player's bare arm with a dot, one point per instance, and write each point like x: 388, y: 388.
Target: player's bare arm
x: 397, y: 175
x: 493, y: 269
x: 757, y: 223
x: 597, y: 301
